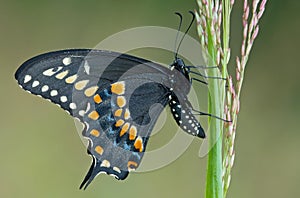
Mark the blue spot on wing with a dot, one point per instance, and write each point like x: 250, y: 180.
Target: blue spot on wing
x: 126, y: 146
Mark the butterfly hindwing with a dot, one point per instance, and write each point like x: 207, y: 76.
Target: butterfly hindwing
x: 119, y: 135
x: 120, y: 124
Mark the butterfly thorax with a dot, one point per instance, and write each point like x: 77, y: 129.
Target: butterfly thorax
x: 179, y: 65
x: 179, y: 78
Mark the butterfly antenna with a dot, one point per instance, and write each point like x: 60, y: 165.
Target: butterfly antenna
x: 191, y: 23
x: 179, y: 27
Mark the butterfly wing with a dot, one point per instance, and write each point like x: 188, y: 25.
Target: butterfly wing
x: 118, y: 97
x: 119, y: 137
x: 60, y: 76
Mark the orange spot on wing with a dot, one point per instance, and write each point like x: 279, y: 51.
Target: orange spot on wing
x: 95, y: 133
x: 94, y: 115
x: 99, y: 150
x: 124, y: 129
x: 119, y: 123
x: 132, y: 133
x: 131, y: 165
x: 118, y: 112
x: 138, y: 144
x: 118, y: 88
x: 97, y: 99
x: 121, y: 101
x: 127, y: 114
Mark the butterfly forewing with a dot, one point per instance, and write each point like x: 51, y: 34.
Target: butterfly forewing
x: 47, y: 75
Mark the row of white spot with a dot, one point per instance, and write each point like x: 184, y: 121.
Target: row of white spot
x: 45, y: 88
x: 191, y: 120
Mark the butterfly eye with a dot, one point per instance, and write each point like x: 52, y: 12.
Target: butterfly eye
x: 51, y: 71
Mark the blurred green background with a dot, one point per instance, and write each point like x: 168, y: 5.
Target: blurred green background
x: 42, y: 155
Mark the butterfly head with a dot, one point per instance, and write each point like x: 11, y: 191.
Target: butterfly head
x: 179, y: 66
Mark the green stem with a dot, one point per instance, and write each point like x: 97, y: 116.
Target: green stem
x: 209, y: 31
x: 214, y: 187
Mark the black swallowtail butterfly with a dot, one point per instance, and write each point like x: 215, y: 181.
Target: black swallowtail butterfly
x: 114, y: 95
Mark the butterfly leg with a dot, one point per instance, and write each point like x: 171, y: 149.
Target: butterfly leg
x: 203, y: 113
x: 212, y: 77
x: 204, y: 76
x: 210, y: 115
x: 201, y: 81
x: 196, y: 79
x: 202, y: 67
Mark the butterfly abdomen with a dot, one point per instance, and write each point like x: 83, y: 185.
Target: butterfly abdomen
x: 184, y: 118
